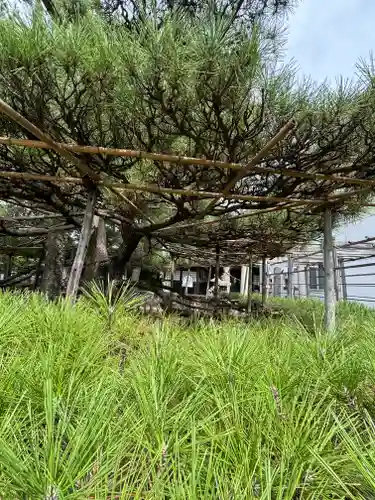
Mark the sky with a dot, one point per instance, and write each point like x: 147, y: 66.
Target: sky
x: 326, y: 39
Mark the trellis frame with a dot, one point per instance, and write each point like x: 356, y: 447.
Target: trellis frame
x: 243, y: 170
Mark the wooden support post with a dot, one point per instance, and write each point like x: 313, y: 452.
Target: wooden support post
x: 297, y: 270
x: 217, y: 272
x: 208, y: 280
x: 264, y: 281
x: 8, y: 266
x: 290, y: 277
x: 336, y: 274
x: 307, y: 281
x: 79, y: 259
x: 250, y: 283
x: 343, y: 279
x: 329, y: 279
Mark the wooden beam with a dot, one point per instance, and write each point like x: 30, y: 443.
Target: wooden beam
x: 185, y: 160
x: 256, y: 159
x: 131, y: 204
x: 59, y: 148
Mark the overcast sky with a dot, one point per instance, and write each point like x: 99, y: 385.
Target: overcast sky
x: 327, y: 38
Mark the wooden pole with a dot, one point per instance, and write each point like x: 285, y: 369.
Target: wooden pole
x: 217, y: 271
x: 329, y: 280
x: 290, y: 277
x: 336, y: 274
x: 208, y: 280
x: 183, y: 160
x: 298, y: 283
x: 264, y: 281
x: 343, y: 279
x: 307, y: 281
x: 283, y: 132
x: 79, y: 259
x: 250, y: 283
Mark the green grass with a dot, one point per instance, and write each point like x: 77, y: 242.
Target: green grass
x: 153, y: 409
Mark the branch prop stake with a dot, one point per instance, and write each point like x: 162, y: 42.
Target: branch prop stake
x: 186, y: 160
x: 329, y: 279
x: 80, y: 257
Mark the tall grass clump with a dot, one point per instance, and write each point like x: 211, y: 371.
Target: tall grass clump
x: 225, y: 410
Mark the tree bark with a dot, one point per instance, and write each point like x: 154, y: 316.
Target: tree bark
x: 53, y: 265
x: 131, y: 239
x: 8, y: 266
x: 97, y: 253
x: 79, y: 259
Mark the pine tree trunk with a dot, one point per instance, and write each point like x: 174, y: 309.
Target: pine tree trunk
x: 53, y: 265
x: 80, y: 256
x: 97, y: 252
x: 131, y: 239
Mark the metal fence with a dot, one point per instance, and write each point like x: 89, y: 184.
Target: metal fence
x: 303, y: 275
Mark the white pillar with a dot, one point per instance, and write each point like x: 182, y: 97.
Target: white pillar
x: 225, y: 278
x: 243, y: 280
x: 329, y: 278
